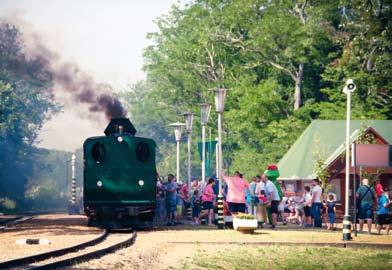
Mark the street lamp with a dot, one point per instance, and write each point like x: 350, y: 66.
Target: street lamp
x: 348, y: 89
x: 177, y: 134
x: 220, y: 98
x: 205, y: 109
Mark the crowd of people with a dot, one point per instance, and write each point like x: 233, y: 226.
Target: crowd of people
x: 266, y: 199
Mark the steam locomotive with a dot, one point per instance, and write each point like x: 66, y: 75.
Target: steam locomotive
x: 119, y: 178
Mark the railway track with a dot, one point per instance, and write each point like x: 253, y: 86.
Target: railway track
x: 105, y: 243
x: 13, y: 221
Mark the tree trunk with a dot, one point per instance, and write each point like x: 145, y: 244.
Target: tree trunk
x: 298, y: 87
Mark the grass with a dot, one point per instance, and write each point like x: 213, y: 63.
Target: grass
x: 288, y: 257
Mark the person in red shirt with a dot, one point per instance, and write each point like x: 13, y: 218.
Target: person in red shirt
x: 379, y: 188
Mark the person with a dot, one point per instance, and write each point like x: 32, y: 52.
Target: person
x: 331, y: 209
x: 182, y: 201
x: 236, y: 186
x: 160, y: 196
x: 171, y: 199
x: 196, y: 206
x: 307, y: 199
x: 316, y: 203
x: 298, y: 211
x: 383, y: 212
x: 272, y: 173
x: 262, y: 202
x: 378, y: 188
x: 254, y: 199
x: 273, y: 200
x: 284, y: 210
x: 366, y: 196
x: 208, y: 201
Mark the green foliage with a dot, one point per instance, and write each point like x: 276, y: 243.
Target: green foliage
x: 25, y: 103
x: 7, y: 204
x: 258, y: 50
x: 49, y: 183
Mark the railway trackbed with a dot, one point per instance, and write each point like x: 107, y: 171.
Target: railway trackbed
x: 105, y: 243
x: 13, y: 221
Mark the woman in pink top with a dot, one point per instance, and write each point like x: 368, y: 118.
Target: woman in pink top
x: 236, y: 192
x: 208, y: 199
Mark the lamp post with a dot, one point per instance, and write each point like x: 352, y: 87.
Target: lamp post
x: 177, y: 134
x: 73, y: 207
x: 205, y: 109
x: 348, y: 89
x: 220, y: 98
x: 73, y: 180
x: 188, y: 117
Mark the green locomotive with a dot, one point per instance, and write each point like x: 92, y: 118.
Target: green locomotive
x: 119, y: 177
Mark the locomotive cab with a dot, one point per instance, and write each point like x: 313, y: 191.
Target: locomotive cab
x: 119, y: 177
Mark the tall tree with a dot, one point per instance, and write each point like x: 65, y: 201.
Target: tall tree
x: 25, y: 103
x: 285, y: 62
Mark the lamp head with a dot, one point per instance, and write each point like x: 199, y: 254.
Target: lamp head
x: 177, y: 130
x: 205, y: 109
x: 220, y: 98
x: 349, y: 87
x: 188, y: 117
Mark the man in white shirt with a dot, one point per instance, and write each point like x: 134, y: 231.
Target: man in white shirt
x: 316, y: 203
x: 273, y: 199
x: 261, y: 205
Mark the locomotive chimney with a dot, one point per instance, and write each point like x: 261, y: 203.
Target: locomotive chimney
x: 120, y: 126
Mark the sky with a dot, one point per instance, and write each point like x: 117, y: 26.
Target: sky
x: 105, y: 38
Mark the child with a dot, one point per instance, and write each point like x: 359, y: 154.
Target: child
x: 196, y: 205
x: 331, y: 212
x: 263, y: 201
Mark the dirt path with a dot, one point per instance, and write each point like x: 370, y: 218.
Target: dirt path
x: 165, y: 249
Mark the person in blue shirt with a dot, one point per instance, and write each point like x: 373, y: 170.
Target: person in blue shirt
x: 383, y: 212
x: 366, y: 197
x: 171, y: 199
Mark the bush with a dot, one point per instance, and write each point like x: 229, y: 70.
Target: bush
x: 7, y: 204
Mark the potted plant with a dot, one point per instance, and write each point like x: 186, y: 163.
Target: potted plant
x: 244, y: 223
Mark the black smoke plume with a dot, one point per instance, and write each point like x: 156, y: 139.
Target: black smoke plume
x: 67, y: 77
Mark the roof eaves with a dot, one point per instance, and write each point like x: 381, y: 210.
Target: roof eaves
x: 340, y: 150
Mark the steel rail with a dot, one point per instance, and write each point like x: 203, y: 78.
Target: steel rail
x: 14, y: 221
x: 55, y: 253
x: 87, y: 256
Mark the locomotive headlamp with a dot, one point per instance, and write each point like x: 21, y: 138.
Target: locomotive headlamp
x: 99, y: 183
x: 141, y: 183
x: 120, y: 139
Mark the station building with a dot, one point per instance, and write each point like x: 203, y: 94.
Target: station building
x: 323, y: 142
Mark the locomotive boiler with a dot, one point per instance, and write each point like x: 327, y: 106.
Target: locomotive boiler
x: 119, y: 177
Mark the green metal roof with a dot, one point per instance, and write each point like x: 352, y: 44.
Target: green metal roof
x: 324, y: 139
